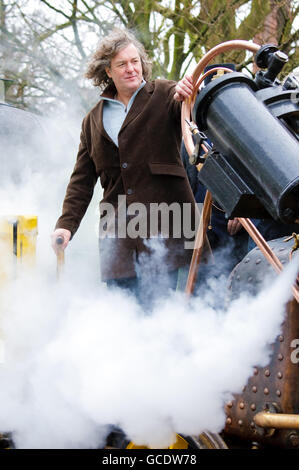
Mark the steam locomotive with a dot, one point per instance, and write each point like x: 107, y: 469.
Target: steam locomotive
x: 252, y: 171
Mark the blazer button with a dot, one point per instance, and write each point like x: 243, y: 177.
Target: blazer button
x: 130, y: 191
x: 124, y: 165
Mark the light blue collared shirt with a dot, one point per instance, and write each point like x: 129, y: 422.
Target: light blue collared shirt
x: 115, y: 112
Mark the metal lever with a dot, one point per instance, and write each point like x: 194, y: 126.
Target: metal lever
x: 60, y: 255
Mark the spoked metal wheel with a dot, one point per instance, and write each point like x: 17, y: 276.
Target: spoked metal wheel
x: 209, y: 440
x: 205, y: 440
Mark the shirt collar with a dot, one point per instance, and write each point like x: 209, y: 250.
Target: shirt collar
x: 110, y: 92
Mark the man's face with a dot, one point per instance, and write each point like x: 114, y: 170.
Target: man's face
x: 126, y: 70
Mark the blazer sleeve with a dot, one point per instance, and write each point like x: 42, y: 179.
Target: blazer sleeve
x: 174, y: 107
x: 79, y: 190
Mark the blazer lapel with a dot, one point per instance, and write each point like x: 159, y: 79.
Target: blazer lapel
x: 137, y: 107
x: 97, y: 117
x: 97, y: 112
x: 139, y: 103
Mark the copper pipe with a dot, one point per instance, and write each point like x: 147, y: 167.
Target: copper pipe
x: 265, y: 249
x: 219, y: 49
x: 199, y: 243
x: 265, y: 419
x: 188, y: 103
x: 209, y: 72
x: 261, y: 243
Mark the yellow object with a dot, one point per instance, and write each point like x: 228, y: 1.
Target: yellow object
x: 180, y: 443
x: 17, y: 243
x: 17, y: 248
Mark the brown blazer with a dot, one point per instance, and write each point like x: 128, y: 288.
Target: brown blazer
x: 146, y: 167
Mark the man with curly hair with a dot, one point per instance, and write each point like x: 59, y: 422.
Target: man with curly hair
x: 131, y: 141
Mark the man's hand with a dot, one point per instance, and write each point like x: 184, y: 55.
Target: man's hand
x: 60, y: 234
x: 233, y: 226
x: 184, y: 88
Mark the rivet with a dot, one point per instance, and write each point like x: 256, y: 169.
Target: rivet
x: 281, y: 338
x: 242, y: 405
x: 258, y: 261
x: 250, y: 278
x: 266, y: 391
x: 254, y: 389
x: 255, y: 371
x: 230, y: 404
x: 280, y: 357
x: 267, y: 373
x: 240, y: 422
x: 246, y: 260
x: 228, y: 421
x: 252, y: 425
x: 278, y: 393
x: 238, y: 277
x: 253, y: 407
x: 279, y: 375
x: 294, y: 439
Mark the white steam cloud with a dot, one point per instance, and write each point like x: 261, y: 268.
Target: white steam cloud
x: 79, y: 357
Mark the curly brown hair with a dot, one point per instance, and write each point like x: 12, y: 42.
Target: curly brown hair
x: 107, y: 49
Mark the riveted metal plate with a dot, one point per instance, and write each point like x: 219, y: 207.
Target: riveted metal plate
x: 274, y: 387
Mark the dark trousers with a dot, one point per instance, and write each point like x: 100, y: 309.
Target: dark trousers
x: 150, y: 289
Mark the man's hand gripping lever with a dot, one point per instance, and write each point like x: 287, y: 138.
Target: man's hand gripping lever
x: 59, y: 254
x: 60, y: 240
